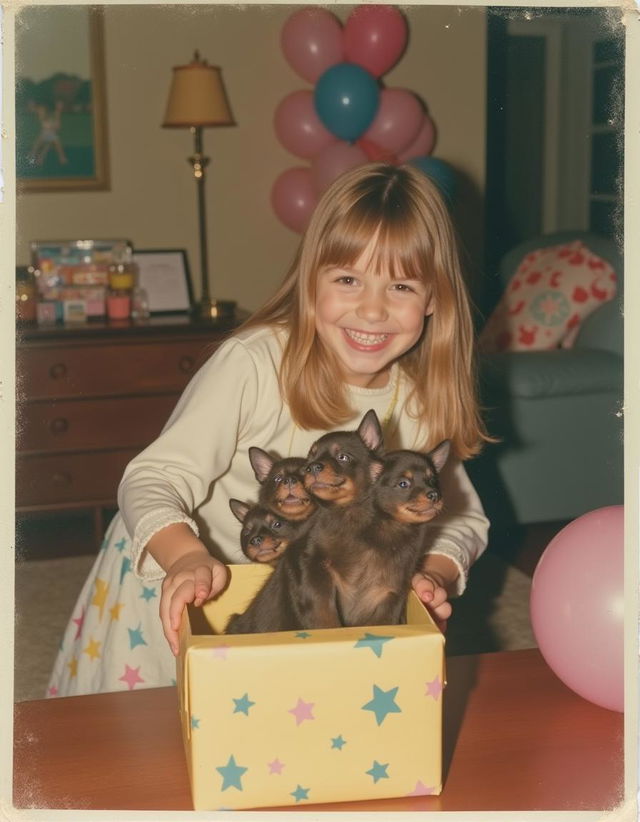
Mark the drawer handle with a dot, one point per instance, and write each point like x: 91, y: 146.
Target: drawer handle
x: 186, y: 364
x: 61, y: 478
x: 59, y: 426
x: 58, y: 371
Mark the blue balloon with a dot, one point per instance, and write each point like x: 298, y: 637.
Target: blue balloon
x: 346, y: 98
x: 438, y: 172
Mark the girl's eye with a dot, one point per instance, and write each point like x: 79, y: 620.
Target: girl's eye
x: 404, y: 287
x: 345, y: 279
x: 342, y: 457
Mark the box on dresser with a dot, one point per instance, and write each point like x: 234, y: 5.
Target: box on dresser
x: 91, y: 397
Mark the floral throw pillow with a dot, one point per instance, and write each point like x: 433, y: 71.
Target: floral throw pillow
x: 552, y: 291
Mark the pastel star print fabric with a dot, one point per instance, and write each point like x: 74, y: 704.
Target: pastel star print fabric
x: 114, y: 639
x: 333, y: 715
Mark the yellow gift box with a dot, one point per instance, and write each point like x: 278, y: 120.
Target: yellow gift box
x: 301, y: 717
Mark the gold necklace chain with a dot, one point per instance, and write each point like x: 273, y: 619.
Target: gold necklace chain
x: 386, y: 420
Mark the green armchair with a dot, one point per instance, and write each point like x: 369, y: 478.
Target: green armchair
x: 558, y: 413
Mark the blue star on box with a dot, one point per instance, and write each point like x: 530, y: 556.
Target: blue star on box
x: 243, y: 704
x: 383, y: 703
x: 231, y: 774
x: 300, y: 793
x: 195, y: 722
x: 378, y: 771
x: 374, y: 642
x: 338, y: 742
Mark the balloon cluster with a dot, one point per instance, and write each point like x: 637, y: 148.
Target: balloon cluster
x: 349, y: 118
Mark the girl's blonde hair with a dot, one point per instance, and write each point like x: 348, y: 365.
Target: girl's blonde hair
x: 414, y: 239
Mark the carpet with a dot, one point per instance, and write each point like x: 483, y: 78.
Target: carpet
x: 492, y: 615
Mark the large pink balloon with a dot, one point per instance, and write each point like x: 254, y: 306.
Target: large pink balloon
x: 293, y: 198
x: 423, y: 143
x: 298, y: 126
x: 375, y: 37
x: 397, y: 121
x: 577, y: 606
x: 334, y: 161
x: 311, y: 41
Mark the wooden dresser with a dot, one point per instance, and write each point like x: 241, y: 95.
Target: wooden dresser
x: 92, y: 396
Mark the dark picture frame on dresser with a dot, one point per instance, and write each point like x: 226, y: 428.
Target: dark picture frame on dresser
x: 165, y: 275
x: 92, y: 396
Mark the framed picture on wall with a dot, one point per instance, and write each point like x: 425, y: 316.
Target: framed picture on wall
x: 165, y: 276
x: 61, y: 129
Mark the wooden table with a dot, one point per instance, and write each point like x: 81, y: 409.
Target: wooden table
x: 515, y: 739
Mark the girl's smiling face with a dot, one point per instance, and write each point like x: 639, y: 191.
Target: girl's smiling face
x: 368, y: 319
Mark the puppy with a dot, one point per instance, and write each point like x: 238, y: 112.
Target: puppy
x: 373, y: 574
x: 301, y: 593
x: 281, y: 485
x: 264, y: 536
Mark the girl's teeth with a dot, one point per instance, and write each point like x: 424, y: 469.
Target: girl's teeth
x: 365, y: 339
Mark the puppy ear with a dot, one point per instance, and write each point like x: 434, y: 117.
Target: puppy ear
x: 240, y: 509
x: 261, y: 463
x: 440, y: 454
x: 370, y: 430
x: 375, y: 469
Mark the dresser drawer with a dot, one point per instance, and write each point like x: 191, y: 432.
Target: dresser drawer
x: 73, y: 425
x: 91, y: 370
x: 61, y: 479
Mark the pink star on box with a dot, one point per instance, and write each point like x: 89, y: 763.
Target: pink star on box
x: 221, y: 652
x: 434, y: 688
x: 302, y: 711
x: 79, y: 622
x: 421, y: 789
x: 53, y: 691
x: 131, y: 676
x: 276, y: 766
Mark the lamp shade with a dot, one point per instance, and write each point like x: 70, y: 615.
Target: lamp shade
x: 197, y: 97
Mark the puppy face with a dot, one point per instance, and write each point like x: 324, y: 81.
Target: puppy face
x: 264, y: 536
x: 340, y: 467
x: 408, y: 489
x: 281, y: 485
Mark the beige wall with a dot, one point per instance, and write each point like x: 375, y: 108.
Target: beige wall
x: 152, y: 195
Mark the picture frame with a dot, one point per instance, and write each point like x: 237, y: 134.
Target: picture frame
x: 61, y: 115
x: 164, y: 274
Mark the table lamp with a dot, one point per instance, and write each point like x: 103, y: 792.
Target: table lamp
x: 197, y: 100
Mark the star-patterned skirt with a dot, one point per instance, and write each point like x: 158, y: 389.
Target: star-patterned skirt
x: 114, y: 639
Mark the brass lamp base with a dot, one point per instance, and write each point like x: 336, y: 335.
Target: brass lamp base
x: 215, y: 309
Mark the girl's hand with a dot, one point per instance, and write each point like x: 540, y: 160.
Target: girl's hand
x: 192, y: 574
x: 434, y: 595
x: 195, y: 577
x: 431, y: 584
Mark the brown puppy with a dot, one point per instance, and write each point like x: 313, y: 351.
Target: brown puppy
x: 301, y: 591
x: 264, y: 536
x: 281, y: 485
x: 373, y: 564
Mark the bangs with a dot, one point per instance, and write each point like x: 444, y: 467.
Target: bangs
x: 402, y: 240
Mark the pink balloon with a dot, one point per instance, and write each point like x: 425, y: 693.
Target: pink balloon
x: 311, y: 41
x: 398, y: 120
x: 375, y: 37
x: 293, y: 198
x: 423, y: 143
x: 298, y: 127
x: 577, y: 606
x: 334, y: 161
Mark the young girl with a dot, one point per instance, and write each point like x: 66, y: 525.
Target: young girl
x: 373, y: 314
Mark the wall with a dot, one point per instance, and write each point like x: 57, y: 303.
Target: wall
x: 152, y: 198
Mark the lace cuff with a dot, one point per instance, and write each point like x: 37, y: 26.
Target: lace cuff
x: 144, y: 565
x: 459, y: 557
